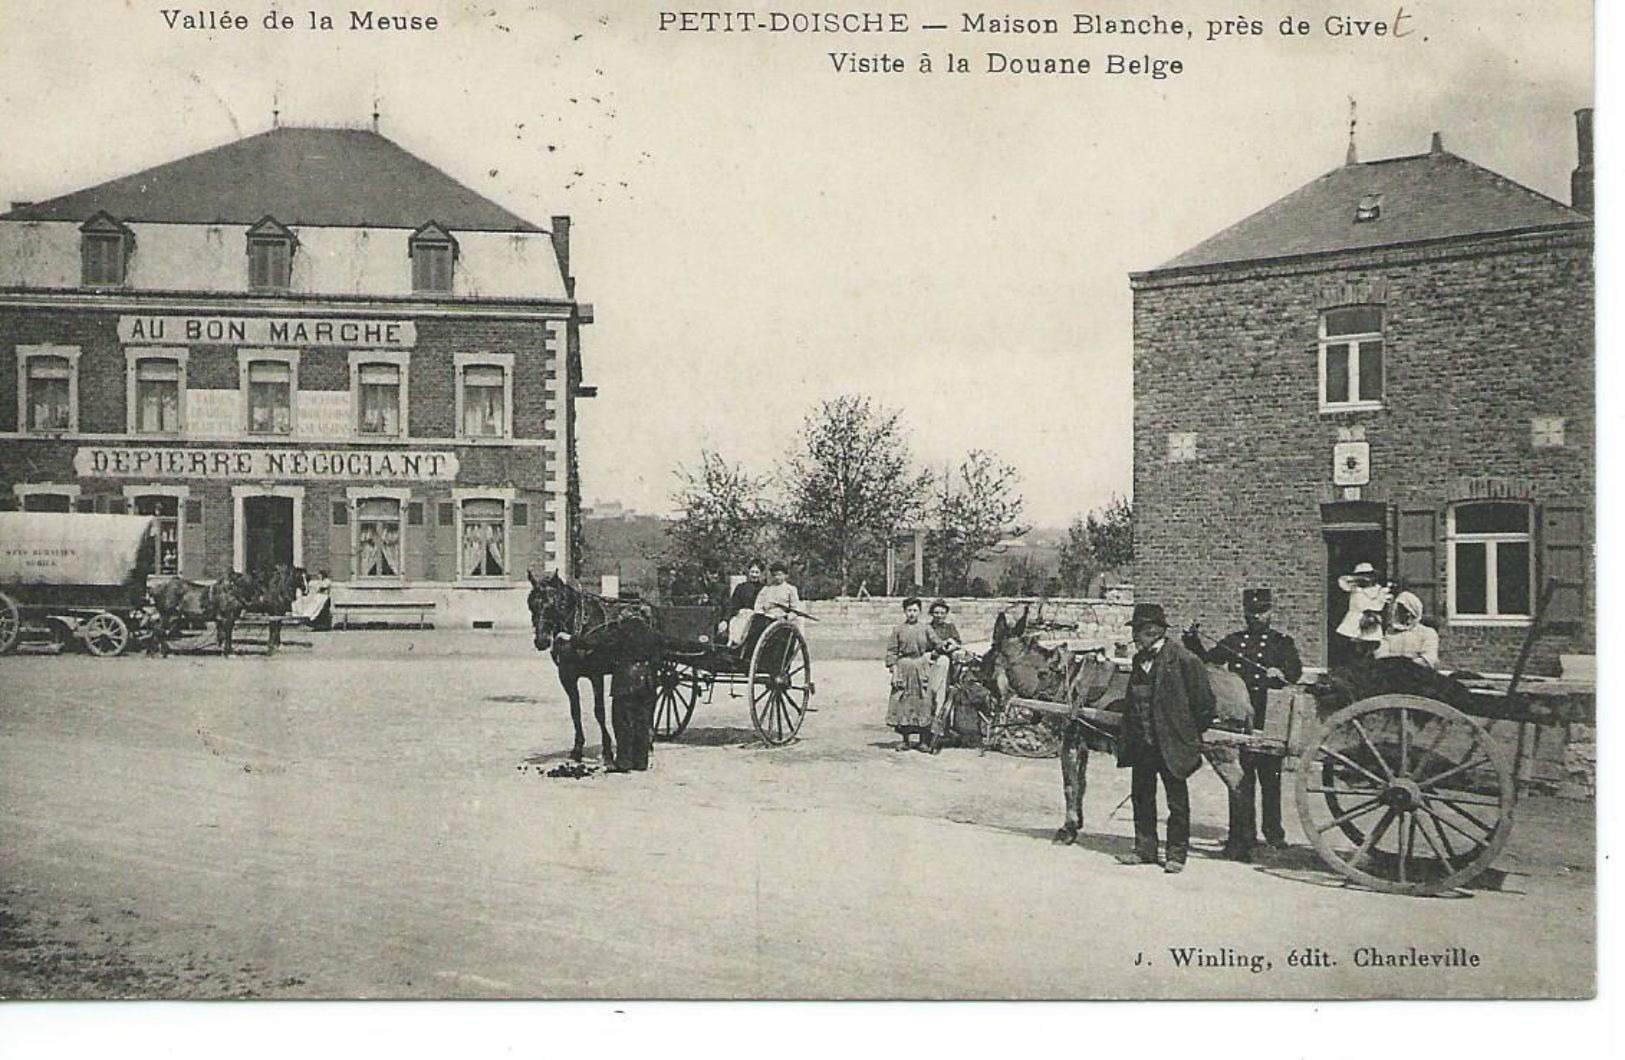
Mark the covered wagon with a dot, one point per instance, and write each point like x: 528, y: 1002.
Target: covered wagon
x: 74, y: 577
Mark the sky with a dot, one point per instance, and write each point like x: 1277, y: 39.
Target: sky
x: 758, y: 232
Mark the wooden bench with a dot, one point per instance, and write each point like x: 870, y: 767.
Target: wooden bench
x: 342, y: 611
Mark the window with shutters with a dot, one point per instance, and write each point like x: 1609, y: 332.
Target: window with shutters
x: 434, y: 257
x: 104, y: 251
x: 484, y: 537
x: 270, y: 256
x: 377, y: 531
x: 1351, y: 358
x: 1490, y: 563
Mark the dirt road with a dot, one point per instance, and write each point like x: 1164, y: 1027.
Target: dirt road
x: 371, y: 817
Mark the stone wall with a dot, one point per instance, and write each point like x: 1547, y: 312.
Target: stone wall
x: 848, y: 623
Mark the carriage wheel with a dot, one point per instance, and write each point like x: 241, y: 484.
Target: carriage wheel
x: 11, y: 623
x: 677, y: 689
x: 780, y: 683
x: 106, y: 634
x: 1405, y: 795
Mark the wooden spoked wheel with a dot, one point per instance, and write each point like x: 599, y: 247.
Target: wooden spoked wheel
x: 781, y: 685
x: 677, y: 690
x: 11, y: 623
x: 106, y: 634
x: 1405, y: 795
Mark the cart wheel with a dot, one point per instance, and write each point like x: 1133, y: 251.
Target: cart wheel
x: 780, y: 683
x: 106, y: 634
x: 11, y: 623
x: 677, y: 689
x: 1405, y: 795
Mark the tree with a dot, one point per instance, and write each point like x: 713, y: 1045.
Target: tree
x: 1022, y: 576
x: 1102, y: 540
x: 977, y: 508
x: 1077, y: 559
x: 726, y: 519
x: 850, y: 483
x: 1111, y: 534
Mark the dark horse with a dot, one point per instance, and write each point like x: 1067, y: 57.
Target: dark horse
x: 222, y: 602
x: 1018, y: 665
x: 587, y: 636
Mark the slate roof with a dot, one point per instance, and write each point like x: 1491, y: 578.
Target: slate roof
x: 300, y: 176
x: 1426, y: 197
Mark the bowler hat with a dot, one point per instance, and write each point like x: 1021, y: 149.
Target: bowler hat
x: 1148, y: 615
x: 1255, y: 601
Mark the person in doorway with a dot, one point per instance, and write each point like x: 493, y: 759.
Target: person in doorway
x: 742, y: 604
x: 1362, y: 624
x: 1170, y: 704
x: 1264, y: 658
x: 908, y: 658
x: 1407, y: 637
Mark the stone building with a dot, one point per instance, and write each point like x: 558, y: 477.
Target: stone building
x: 307, y: 346
x: 1392, y: 364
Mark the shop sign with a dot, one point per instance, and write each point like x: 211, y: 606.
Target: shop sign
x: 236, y: 465
x: 267, y: 331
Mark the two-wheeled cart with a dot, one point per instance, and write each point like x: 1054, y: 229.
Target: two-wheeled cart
x: 772, y: 667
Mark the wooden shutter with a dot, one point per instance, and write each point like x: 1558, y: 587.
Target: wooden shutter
x: 1563, y: 560
x: 1417, y: 566
x: 447, y: 513
x: 117, y: 506
x: 338, y: 542
x: 84, y: 504
x: 414, y: 546
x: 194, y: 554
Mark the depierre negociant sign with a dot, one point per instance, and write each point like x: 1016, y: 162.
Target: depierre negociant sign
x: 101, y: 461
x: 267, y: 331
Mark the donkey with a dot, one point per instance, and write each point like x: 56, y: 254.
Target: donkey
x: 1017, y: 664
x: 587, y: 636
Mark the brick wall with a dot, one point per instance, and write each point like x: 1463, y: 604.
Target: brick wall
x: 1480, y: 338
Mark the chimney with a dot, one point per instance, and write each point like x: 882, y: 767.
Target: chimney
x: 1582, y: 190
x: 561, y: 250
x: 1437, y: 147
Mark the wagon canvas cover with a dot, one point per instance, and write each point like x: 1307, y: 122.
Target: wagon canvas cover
x: 80, y: 550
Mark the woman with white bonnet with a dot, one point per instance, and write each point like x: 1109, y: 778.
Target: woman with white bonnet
x: 1407, y: 637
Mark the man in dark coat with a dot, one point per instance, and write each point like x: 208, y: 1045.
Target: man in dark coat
x: 1263, y: 658
x: 1170, y: 704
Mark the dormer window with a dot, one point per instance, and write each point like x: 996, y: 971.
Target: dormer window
x: 1369, y: 209
x: 104, y: 250
x: 270, y: 255
x: 434, y: 254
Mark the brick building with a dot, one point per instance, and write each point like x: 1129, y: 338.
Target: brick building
x: 1393, y: 363
x: 309, y: 347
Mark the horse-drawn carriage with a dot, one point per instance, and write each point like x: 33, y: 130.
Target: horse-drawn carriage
x: 772, y: 667
x: 1400, y: 786
x: 74, y: 578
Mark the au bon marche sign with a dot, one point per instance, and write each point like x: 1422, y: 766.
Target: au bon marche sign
x: 267, y: 331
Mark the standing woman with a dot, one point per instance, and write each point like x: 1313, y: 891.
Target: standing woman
x: 908, y: 659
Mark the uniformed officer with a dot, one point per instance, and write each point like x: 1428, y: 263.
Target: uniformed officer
x: 1263, y: 658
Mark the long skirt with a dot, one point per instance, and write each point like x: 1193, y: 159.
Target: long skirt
x: 910, y: 706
